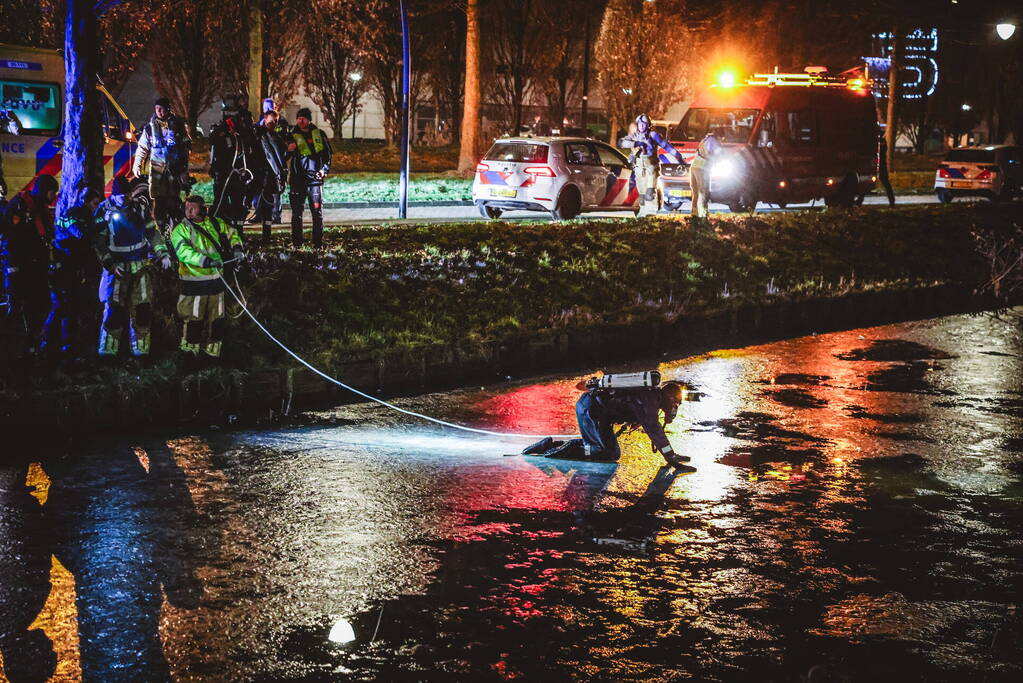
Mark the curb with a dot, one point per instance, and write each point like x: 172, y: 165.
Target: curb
x: 392, y: 205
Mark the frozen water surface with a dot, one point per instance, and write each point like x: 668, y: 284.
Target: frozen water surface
x: 857, y: 508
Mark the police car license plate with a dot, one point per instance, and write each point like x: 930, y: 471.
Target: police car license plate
x: 501, y: 192
x: 960, y: 185
x: 680, y: 193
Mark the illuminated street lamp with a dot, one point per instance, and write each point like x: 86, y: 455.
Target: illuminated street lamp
x: 966, y: 107
x: 1005, y: 30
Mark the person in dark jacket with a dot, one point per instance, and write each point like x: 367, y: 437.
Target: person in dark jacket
x: 882, y: 168
x: 233, y: 151
x: 598, y: 410
x: 272, y: 177
x: 72, y: 272
x: 25, y: 233
x: 310, y: 154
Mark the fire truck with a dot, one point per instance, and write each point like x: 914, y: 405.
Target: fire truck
x: 788, y: 138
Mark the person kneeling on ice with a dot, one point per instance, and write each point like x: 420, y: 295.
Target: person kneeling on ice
x: 634, y: 399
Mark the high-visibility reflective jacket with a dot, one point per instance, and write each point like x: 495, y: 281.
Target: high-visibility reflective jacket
x: 163, y: 145
x: 200, y: 247
x: 310, y: 157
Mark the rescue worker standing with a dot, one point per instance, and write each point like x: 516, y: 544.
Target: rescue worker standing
x: 164, y: 145
x: 273, y: 176
x: 699, y: 175
x: 72, y: 272
x: 202, y: 244
x: 126, y: 238
x: 27, y: 228
x: 646, y: 144
x: 232, y: 147
x: 882, y: 168
x: 310, y: 163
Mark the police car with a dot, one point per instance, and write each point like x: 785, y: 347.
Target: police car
x: 563, y: 176
x: 992, y: 171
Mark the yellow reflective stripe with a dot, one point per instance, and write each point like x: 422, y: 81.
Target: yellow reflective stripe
x: 303, y: 146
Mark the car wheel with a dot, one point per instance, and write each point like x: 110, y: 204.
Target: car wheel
x: 1009, y: 192
x: 570, y: 203
x: 944, y: 196
x: 744, y: 203
x: 490, y: 211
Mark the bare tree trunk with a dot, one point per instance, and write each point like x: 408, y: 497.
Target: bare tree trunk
x: 614, y: 132
x: 83, y: 139
x: 471, y: 103
x: 892, y: 118
x: 255, y: 89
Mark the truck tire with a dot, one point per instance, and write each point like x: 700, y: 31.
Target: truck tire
x: 1009, y: 191
x: 944, y: 196
x: 744, y: 203
x: 569, y: 204
x: 845, y: 196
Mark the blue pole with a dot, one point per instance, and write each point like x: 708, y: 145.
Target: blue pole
x: 403, y: 191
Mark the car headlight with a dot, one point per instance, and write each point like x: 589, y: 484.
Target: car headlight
x: 724, y: 168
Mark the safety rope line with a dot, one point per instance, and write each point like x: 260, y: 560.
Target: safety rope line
x: 382, y: 402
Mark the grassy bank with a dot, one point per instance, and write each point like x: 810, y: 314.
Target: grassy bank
x: 379, y: 290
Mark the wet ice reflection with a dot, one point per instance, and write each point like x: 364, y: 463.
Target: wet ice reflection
x: 854, y: 491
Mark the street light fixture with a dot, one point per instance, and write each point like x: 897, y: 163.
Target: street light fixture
x: 966, y: 107
x: 1005, y: 30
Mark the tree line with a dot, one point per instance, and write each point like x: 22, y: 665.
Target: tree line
x: 511, y: 54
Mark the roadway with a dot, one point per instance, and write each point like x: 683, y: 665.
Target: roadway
x: 446, y: 214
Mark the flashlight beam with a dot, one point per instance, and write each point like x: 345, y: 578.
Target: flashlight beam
x: 381, y: 401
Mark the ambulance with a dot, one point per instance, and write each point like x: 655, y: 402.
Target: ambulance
x: 32, y: 88
x: 788, y: 138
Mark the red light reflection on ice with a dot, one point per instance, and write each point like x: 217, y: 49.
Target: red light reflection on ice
x: 538, y: 408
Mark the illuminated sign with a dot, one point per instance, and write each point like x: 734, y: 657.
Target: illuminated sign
x: 919, y: 77
x: 25, y: 66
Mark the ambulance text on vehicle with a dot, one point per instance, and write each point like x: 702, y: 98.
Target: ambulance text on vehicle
x: 32, y: 86
x: 788, y: 138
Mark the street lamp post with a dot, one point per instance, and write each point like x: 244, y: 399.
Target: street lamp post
x: 405, y: 141
x: 356, y: 77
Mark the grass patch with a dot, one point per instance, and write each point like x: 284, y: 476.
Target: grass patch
x: 386, y: 287
x: 381, y: 187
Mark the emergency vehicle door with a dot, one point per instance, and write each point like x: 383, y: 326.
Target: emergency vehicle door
x: 587, y: 172
x: 619, y: 185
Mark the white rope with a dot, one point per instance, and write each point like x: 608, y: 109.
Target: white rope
x: 380, y: 400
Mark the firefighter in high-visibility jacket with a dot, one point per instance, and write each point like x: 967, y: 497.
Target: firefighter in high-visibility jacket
x: 310, y: 154
x: 202, y: 244
x: 699, y: 174
x: 126, y: 240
